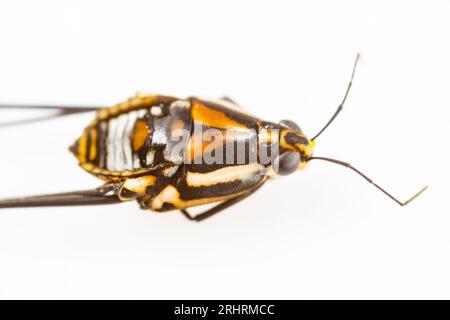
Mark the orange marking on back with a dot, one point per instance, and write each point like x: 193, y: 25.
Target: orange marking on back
x: 93, y: 147
x: 195, y: 148
x: 213, y: 118
x: 82, y: 148
x: 140, y: 133
x: 198, y: 145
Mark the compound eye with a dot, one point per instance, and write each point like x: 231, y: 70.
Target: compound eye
x: 288, y: 162
x: 291, y: 125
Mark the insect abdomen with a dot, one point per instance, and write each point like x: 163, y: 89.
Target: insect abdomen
x: 119, y: 142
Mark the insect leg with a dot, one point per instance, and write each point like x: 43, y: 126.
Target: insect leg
x: 105, y: 194
x: 220, y: 207
x: 54, y: 112
x: 228, y: 99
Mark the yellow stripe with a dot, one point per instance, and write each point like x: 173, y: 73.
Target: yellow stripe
x: 89, y: 167
x: 171, y: 195
x: 306, y: 149
x: 82, y: 148
x: 223, y: 175
x: 139, y: 185
x: 93, y: 147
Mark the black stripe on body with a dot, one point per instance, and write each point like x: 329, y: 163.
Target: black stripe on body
x: 217, y: 189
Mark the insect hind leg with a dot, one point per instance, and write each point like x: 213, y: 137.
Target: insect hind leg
x: 105, y: 194
x: 53, y: 112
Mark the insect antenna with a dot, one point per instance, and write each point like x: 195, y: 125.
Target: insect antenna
x: 55, y: 111
x: 349, y: 166
x: 341, y: 106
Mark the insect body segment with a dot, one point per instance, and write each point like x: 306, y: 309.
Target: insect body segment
x: 128, y: 139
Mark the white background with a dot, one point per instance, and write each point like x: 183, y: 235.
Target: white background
x: 321, y: 233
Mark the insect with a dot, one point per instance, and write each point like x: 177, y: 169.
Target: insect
x: 152, y: 149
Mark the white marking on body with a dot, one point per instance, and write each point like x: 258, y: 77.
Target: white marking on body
x: 127, y: 140
x: 136, y: 162
x: 156, y: 111
x: 150, y: 157
x: 132, y: 116
x: 180, y: 104
x: 170, y: 171
x: 133, y: 158
x: 169, y: 194
x: 118, y: 141
x: 142, y: 113
x: 120, y: 156
x: 223, y: 175
x: 110, y: 145
x: 160, y: 136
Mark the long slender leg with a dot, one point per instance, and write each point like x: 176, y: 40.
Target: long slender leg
x: 228, y: 99
x: 54, y: 112
x: 103, y: 195
x: 222, y: 206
